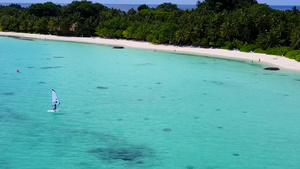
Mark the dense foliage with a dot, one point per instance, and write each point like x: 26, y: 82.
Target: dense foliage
x: 240, y: 24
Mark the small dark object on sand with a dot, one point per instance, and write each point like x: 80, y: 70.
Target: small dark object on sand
x: 271, y: 68
x: 118, y: 47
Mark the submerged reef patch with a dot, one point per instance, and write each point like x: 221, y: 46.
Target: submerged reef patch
x: 21, y: 38
x: 236, y: 154
x: 217, y: 82
x: 8, y: 93
x: 130, y: 154
x: 102, y: 87
x: 9, y: 115
x: 167, y: 129
x: 50, y: 67
x: 4, y: 163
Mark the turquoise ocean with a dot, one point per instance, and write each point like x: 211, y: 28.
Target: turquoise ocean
x: 134, y: 108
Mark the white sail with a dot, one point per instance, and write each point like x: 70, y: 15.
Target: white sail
x: 55, y: 102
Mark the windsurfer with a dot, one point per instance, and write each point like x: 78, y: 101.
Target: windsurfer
x: 54, y: 106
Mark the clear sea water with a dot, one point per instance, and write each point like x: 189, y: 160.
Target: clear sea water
x: 134, y: 108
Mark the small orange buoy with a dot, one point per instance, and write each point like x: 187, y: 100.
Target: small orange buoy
x: 154, y: 50
x: 18, y: 71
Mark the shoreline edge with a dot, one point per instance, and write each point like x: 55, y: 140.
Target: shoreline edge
x: 279, y: 61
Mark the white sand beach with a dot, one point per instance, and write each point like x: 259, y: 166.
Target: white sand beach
x: 278, y: 61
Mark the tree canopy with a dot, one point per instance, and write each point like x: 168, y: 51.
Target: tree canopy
x: 228, y: 24
x: 46, y: 9
x: 220, y: 5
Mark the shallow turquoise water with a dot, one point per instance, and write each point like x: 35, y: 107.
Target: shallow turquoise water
x: 132, y: 108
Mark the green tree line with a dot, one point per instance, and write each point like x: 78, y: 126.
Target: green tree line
x: 231, y: 24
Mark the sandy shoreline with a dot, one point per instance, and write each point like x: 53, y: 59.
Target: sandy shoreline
x: 278, y: 61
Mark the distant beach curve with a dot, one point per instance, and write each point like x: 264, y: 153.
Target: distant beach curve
x: 279, y: 61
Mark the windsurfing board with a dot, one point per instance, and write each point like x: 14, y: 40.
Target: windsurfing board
x: 53, y: 110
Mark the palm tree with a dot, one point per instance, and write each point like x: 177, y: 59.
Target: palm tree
x: 269, y: 39
x: 295, y: 38
x: 227, y: 31
x: 41, y: 26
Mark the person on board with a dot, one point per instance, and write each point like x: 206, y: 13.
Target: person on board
x: 54, y: 106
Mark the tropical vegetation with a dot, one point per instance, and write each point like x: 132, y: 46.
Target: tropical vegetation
x: 231, y: 24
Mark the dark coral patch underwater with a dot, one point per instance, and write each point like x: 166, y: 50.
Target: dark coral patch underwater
x: 50, y: 67
x: 236, y: 154
x: 8, y: 94
x: 167, y: 129
x: 101, y: 87
x: 132, y: 154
